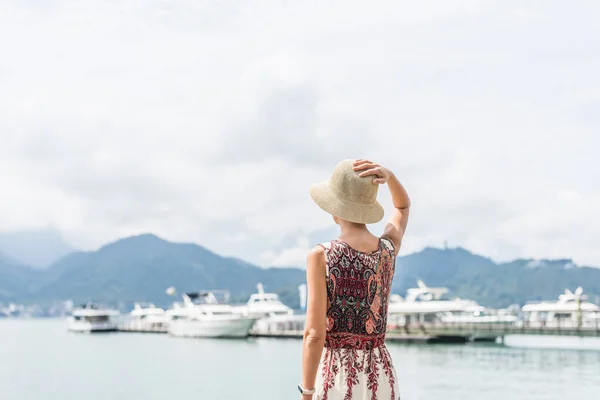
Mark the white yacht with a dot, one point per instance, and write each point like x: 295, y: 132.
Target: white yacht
x: 480, y: 315
x: 92, y: 317
x: 147, y: 317
x: 424, y: 304
x: 263, y: 304
x: 571, y: 310
x: 201, y: 315
x: 273, y: 316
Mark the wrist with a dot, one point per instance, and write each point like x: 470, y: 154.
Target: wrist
x: 306, y: 390
x: 306, y: 385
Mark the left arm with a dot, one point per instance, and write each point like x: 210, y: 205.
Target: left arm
x: 316, y: 314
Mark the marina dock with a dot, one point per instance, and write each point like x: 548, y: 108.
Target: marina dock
x: 420, y: 333
x: 297, y: 334
x: 492, y: 331
x: 455, y: 332
x: 138, y: 329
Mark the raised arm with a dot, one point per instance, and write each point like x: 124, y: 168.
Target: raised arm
x: 396, y: 226
x: 316, y: 314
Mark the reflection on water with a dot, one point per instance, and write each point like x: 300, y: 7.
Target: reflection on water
x: 40, y: 360
x: 496, y: 372
x: 553, y: 342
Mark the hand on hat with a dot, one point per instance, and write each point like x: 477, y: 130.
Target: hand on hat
x: 369, y: 168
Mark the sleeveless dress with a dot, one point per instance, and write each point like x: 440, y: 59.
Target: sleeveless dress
x: 355, y: 363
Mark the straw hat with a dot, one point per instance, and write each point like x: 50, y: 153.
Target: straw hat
x: 348, y: 196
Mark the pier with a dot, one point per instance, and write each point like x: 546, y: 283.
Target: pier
x: 455, y: 333
x: 491, y: 331
x: 140, y: 327
x: 432, y: 332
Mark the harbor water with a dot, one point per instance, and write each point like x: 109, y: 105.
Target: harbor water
x: 40, y: 360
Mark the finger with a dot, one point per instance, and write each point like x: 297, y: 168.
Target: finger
x: 372, y: 171
x: 379, y: 181
x: 364, y: 165
x: 362, y: 161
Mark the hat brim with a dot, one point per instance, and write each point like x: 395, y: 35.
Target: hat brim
x: 359, y: 213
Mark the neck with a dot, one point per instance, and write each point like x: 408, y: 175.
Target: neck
x: 352, y: 228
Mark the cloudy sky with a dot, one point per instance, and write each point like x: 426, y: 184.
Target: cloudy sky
x: 206, y: 121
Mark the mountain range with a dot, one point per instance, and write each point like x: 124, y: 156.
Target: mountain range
x: 36, y: 248
x: 142, y: 267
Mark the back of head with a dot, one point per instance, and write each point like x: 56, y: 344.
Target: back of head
x: 348, y: 196
x: 350, y: 187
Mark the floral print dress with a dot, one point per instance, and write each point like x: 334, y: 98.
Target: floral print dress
x: 355, y: 363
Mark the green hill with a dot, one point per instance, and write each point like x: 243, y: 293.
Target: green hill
x: 16, y: 279
x: 142, y: 267
x: 475, y: 277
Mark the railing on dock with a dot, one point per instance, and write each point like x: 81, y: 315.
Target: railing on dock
x: 492, y: 330
x: 454, y: 331
x: 136, y: 326
x: 415, y: 331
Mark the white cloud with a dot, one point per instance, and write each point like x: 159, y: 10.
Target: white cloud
x: 293, y: 256
x: 207, y: 122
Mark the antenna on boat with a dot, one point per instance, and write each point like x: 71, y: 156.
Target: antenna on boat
x: 302, y: 292
x: 260, y: 288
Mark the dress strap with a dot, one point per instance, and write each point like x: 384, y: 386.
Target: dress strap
x: 388, y: 245
x: 326, y: 247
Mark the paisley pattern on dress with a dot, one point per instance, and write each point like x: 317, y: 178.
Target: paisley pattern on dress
x: 355, y: 363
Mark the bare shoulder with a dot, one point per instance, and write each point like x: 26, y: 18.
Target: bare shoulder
x: 315, y: 263
x: 394, y: 240
x: 316, y: 254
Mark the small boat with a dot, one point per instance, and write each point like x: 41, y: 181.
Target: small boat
x: 147, y: 317
x: 201, y: 315
x: 261, y: 305
x: 424, y: 304
x: 571, y: 310
x: 273, y: 316
x: 92, y: 317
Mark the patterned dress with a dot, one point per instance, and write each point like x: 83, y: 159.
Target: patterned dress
x: 355, y: 363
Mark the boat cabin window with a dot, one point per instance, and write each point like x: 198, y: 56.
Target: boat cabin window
x: 429, y: 296
x: 542, y: 315
x: 562, y: 315
x: 97, y: 319
x: 227, y: 312
x: 264, y: 299
x: 429, y: 318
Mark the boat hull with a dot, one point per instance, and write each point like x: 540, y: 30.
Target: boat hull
x: 209, y: 328
x: 280, y: 323
x: 86, y: 327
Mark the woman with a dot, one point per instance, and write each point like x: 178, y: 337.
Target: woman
x: 349, y: 280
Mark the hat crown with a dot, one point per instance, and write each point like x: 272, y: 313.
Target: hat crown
x: 349, y: 187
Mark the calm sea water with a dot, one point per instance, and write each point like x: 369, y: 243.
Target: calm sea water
x: 40, y: 360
